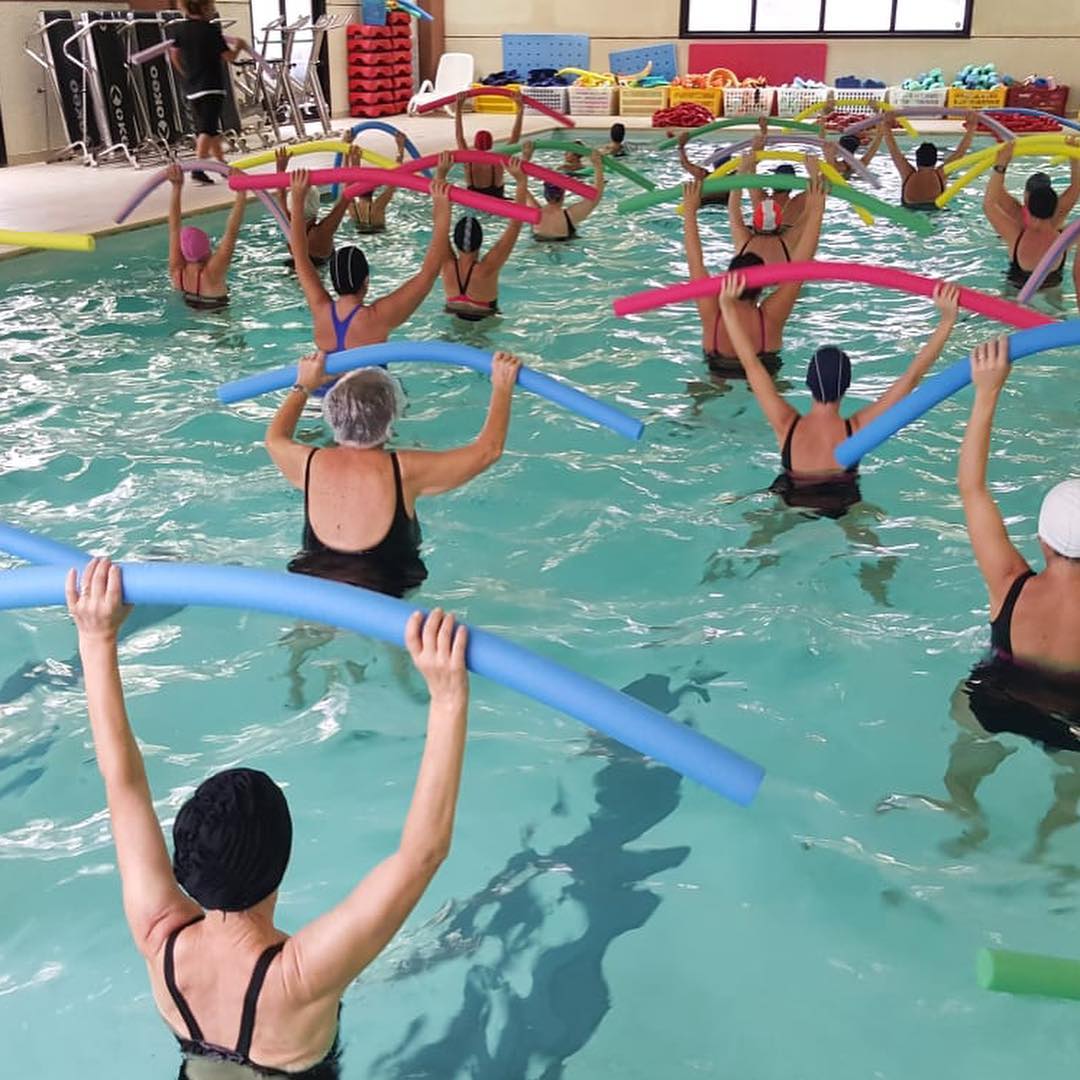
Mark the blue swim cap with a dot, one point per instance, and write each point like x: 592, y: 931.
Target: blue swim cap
x: 829, y: 374
x: 552, y: 192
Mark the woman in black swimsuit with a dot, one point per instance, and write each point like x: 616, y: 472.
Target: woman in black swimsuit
x: 320, y: 234
x: 241, y: 996
x: 197, y: 271
x: 1030, y: 239
x: 811, y: 479
x: 360, y: 524
x: 922, y: 184
x: 485, y: 179
x: 559, y: 222
x: 1030, y: 683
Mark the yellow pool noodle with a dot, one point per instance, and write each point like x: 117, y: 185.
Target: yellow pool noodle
x: 811, y: 110
x: 51, y: 241
x: 1048, y: 144
x: 332, y: 146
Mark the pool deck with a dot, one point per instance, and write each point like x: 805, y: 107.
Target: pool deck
x: 71, y: 197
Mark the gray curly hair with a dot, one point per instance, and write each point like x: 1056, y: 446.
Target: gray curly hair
x: 362, y: 407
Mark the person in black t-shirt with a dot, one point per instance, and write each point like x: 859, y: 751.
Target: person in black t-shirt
x: 198, y: 52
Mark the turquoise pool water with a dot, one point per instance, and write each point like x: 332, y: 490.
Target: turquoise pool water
x: 598, y: 917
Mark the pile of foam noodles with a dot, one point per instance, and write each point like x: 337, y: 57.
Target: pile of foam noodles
x: 440, y: 352
x: 501, y: 91
x: 216, y: 167
x: 348, y: 607
x: 50, y: 241
x: 687, y: 114
x: 585, y: 78
x: 366, y: 179
x: 918, y: 223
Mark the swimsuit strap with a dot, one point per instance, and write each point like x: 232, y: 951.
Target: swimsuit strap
x: 170, y: 982
x: 787, y: 254
x: 341, y: 326
x: 1001, y: 627
x: 1016, y: 248
x: 847, y: 426
x: 463, y: 289
x: 761, y: 324
x: 251, y: 998
x: 399, y: 494
x: 785, y: 453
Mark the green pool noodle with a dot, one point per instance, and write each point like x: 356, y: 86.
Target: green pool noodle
x: 1027, y: 973
x: 739, y: 121
x: 908, y: 218
x: 610, y: 163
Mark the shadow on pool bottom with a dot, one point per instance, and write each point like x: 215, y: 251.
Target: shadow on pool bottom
x: 568, y: 996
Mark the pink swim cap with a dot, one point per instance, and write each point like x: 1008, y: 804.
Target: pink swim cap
x: 194, y: 244
x: 483, y: 140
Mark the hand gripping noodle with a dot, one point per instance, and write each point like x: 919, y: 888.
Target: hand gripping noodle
x: 348, y: 607
x: 1058, y: 335
x: 440, y: 352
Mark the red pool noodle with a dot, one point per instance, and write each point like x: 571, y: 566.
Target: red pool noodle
x: 358, y: 178
x: 501, y: 91
x: 483, y: 157
x: 885, y: 277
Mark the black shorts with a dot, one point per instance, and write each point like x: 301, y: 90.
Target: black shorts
x: 207, y: 113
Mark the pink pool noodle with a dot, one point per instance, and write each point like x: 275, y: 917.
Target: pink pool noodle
x: 885, y: 277
x: 1049, y: 261
x: 217, y: 167
x: 361, y: 180
x: 501, y: 91
x: 483, y: 157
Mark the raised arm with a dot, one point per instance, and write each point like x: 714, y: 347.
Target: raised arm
x: 393, y: 309
x: 286, y: 453
x: 218, y: 263
x: 459, y: 122
x: 281, y: 164
x: 431, y: 472
x: 327, y: 954
x: 872, y: 149
x: 584, y: 207
x: 176, y: 256
x: 153, y: 903
x: 519, y: 119
x: 504, y: 246
x: 382, y: 200
x: 777, y: 411
x: 315, y: 293
x: 903, y: 166
x: 999, y: 562
x: 696, y: 171
x: 1068, y: 198
x: 778, y: 305
x: 947, y: 301
x: 1005, y: 225
x: 964, y: 145
x: 740, y: 234
x: 328, y: 227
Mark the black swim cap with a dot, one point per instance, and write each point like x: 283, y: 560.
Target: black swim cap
x: 1035, y: 180
x: 741, y: 262
x: 349, y: 270
x: 829, y: 373
x: 552, y: 192
x: 231, y: 840
x: 926, y: 156
x: 850, y: 143
x: 618, y: 132
x: 468, y: 235
x: 784, y: 170
x: 1042, y: 203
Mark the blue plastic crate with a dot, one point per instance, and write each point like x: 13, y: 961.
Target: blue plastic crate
x: 665, y: 64
x: 374, y: 12
x: 524, y: 52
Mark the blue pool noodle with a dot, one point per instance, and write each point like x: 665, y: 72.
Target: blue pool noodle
x: 376, y: 125
x: 440, y: 352
x: 954, y: 377
x: 631, y: 722
x: 39, y: 549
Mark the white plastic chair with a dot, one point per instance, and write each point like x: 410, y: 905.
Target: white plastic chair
x: 455, y: 73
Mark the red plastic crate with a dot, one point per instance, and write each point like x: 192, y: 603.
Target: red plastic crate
x: 1037, y: 97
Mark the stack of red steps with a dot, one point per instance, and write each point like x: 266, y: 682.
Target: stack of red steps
x: 380, y: 66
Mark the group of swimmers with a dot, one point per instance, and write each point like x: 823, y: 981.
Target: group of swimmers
x: 205, y: 921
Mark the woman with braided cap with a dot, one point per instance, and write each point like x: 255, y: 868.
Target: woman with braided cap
x: 243, y: 998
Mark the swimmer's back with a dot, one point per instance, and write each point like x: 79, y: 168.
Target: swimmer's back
x: 922, y: 187
x: 1045, y: 629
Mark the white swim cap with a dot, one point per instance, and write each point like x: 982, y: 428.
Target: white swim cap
x: 1059, y: 519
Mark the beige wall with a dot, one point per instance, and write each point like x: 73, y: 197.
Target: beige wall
x: 1003, y: 31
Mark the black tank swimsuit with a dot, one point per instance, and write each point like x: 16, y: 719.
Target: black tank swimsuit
x: 482, y: 309
x: 392, y: 567
x: 1017, y: 275
x: 1009, y: 696
x: 828, y: 496
x: 195, y: 1046
x: 571, y: 232
x: 730, y: 367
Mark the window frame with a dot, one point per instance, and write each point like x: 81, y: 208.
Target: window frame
x: 821, y: 32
